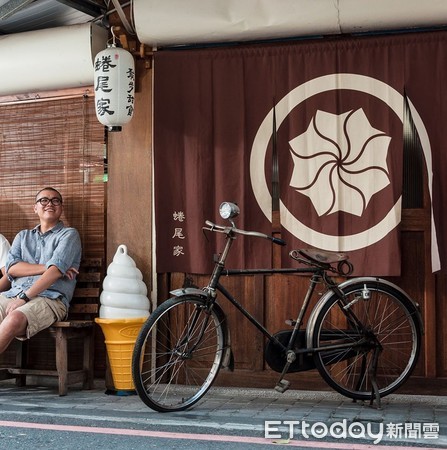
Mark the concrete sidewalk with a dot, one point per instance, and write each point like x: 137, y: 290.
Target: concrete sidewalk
x: 405, y: 420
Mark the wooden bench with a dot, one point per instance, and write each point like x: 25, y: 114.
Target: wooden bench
x: 84, y: 307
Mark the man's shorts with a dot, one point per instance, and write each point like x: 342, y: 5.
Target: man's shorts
x: 40, y: 312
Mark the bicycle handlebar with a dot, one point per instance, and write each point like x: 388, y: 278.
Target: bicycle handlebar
x: 227, y: 230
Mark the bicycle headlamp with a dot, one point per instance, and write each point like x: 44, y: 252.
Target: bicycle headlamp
x: 228, y: 210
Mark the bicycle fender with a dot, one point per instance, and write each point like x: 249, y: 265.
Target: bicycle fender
x: 347, y: 283
x: 228, y: 357
x: 379, y: 280
x: 188, y: 291
x: 314, y: 314
x: 415, y: 304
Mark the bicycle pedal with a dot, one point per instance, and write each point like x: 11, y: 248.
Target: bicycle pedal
x: 282, y: 386
x: 291, y: 322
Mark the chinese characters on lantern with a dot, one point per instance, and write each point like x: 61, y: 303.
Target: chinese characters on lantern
x: 130, y: 91
x: 178, y: 236
x: 114, y: 86
x: 102, y: 84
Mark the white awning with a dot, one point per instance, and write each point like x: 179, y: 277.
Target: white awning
x: 187, y: 22
x: 49, y: 59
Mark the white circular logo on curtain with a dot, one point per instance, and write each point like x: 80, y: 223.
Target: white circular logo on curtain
x: 282, y: 109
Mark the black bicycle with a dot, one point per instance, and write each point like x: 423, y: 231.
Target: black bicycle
x: 363, y: 335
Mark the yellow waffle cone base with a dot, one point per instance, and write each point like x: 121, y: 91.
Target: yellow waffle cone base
x: 120, y: 336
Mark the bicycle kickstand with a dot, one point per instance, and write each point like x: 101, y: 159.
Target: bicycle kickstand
x: 282, y: 385
x: 375, y: 388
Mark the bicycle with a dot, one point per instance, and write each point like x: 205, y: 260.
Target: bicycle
x: 363, y: 335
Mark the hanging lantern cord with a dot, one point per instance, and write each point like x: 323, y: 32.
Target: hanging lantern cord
x: 114, y: 37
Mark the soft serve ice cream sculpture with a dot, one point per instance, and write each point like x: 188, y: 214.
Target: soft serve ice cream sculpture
x: 124, y: 292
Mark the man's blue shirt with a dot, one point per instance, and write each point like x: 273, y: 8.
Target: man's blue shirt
x: 60, y: 247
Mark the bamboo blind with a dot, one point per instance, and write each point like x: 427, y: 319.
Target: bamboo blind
x: 57, y: 143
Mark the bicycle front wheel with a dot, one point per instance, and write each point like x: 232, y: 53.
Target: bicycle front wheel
x: 178, y: 354
x: 378, y: 349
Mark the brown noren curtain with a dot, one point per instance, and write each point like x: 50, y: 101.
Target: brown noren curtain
x: 310, y: 130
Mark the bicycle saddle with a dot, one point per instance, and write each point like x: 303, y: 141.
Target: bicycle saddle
x: 321, y: 256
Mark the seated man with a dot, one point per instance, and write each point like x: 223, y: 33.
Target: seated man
x: 4, y: 247
x: 42, y: 264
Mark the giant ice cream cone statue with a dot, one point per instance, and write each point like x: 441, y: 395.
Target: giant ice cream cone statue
x: 124, y: 309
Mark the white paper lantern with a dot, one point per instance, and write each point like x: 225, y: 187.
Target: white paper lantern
x: 114, y: 87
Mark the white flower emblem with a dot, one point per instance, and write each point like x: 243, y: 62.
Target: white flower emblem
x: 340, y: 162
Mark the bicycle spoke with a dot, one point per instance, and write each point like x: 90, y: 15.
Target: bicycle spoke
x: 382, y: 323
x: 178, y: 355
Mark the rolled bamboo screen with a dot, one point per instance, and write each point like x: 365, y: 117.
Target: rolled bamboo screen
x: 55, y: 143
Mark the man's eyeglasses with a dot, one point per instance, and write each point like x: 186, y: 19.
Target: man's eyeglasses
x: 44, y: 201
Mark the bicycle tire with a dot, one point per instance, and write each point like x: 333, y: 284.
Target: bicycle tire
x: 184, y: 365
x: 394, y: 321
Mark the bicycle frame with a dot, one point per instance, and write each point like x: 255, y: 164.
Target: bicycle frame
x: 317, y: 273
x: 316, y: 276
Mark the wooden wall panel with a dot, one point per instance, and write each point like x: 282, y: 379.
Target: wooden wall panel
x: 129, y: 192
x: 413, y: 280
x: 439, y: 325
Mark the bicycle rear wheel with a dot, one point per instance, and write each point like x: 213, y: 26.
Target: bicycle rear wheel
x: 178, y: 354
x: 384, y: 350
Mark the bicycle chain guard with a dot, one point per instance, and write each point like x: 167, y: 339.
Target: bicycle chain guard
x: 276, y: 357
